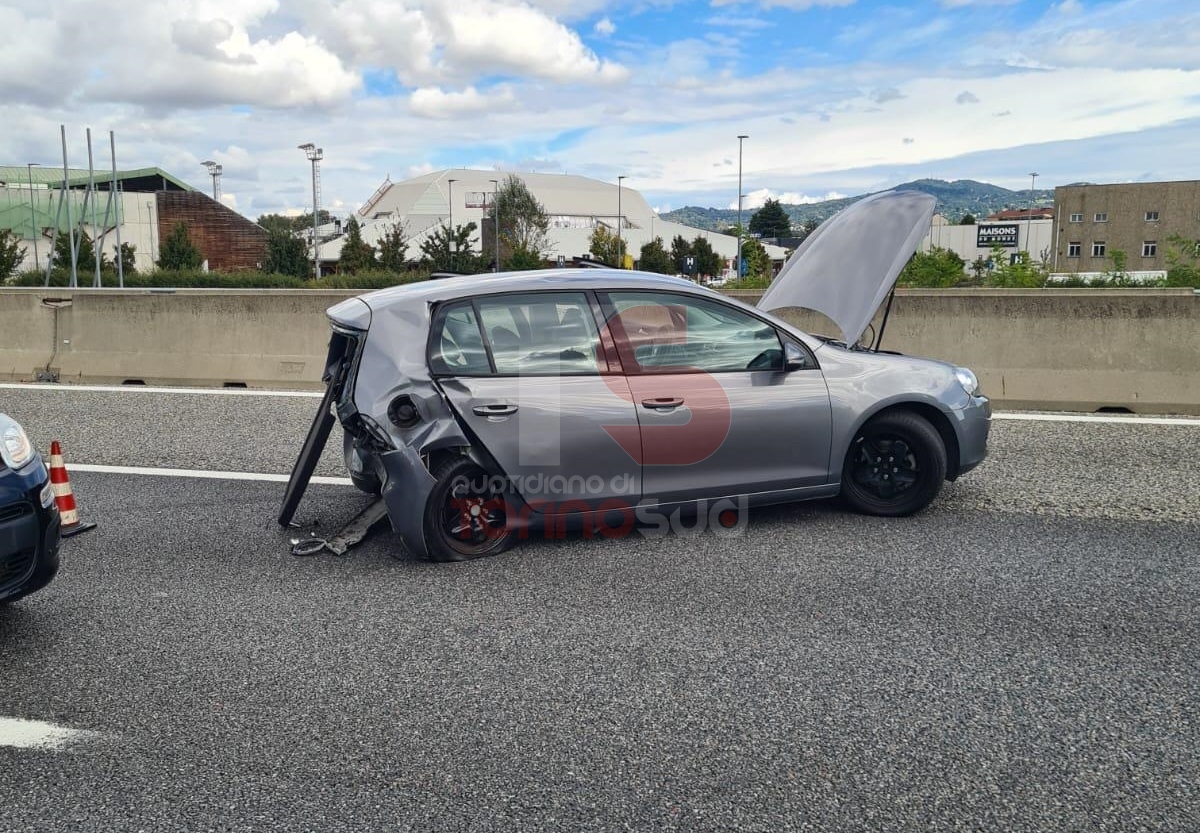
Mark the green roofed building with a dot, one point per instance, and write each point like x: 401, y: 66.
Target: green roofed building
x: 147, y: 203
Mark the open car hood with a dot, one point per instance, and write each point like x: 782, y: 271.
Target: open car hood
x: 847, y: 267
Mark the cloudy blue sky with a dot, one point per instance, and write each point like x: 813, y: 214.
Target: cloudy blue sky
x: 837, y: 97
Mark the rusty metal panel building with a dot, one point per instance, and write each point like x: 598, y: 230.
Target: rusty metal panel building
x: 1138, y: 219
x: 226, y: 239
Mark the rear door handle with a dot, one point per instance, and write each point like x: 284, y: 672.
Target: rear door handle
x: 662, y: 402
x: 495, y: 409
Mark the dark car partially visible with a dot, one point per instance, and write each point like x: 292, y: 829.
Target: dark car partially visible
x: 29, y: 520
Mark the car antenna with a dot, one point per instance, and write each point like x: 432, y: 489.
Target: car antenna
x: 883, y: 324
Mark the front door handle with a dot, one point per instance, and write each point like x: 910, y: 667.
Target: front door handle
x: 662, y: 402
x: 495, y: 409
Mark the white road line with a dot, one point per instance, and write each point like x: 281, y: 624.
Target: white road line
x: 1025, y: 416
x: 204, y: 474
x: 1102, y: 418
x: 289, y: 394
x: 34, y: 734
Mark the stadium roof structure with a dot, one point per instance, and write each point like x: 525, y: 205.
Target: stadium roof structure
x: 139, y: 180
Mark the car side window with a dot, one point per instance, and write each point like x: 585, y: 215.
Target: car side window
x: 659, y: 332
x: 541, y: 333
x: 457, y: 346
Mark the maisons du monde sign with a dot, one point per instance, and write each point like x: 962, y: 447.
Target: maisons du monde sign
x: 996, y: 234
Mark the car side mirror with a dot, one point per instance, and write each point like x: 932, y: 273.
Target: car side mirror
x: 795, y: 358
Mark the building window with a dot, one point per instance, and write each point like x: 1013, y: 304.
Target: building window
x: 1101, y: 217
x: 1151, y: 216
x: 1073, y: 249
x: 1150, y: 248
x: 1098, y: 249
x: 1077, y: 218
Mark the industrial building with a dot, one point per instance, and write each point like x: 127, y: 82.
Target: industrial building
x: 1138, y: 219
x: 575, y: 206
x: 143, y: 208
x: 1012, y: 231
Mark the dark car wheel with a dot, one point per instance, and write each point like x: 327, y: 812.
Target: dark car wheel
x: 466, y: 516
x: 895, y: 466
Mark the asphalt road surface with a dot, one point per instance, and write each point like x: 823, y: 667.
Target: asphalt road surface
x: 1023, y: 656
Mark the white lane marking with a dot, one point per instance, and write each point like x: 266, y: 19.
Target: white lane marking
x: 204, y: 474
x: 34, y: 734
x: 1102, y: 418
x: 292, y: 394
x: 1026, y: 416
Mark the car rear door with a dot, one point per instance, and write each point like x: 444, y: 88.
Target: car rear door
x: 719, y: 413
x: 527, y: 375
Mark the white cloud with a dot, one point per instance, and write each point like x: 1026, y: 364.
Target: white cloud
x: 754, y: 200
x: 435, y: 103
x: 454, y: 41
x: 604, y: 27
x: 798, y: 5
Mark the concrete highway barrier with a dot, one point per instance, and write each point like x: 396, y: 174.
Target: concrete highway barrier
x: 1062, y: 349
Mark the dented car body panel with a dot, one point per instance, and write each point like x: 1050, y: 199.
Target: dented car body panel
x: 599, y: 389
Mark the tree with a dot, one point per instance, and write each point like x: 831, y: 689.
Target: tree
x: 177, y: 252
x: 276, y: 222
x: 771, y: 220
x: 1015, y: 271
x: 523, y: 259
x: 12, y: 254
x: 523, y: 223
x: 62, y: 250
x: 758, y: 265
x: 967, y: 220
x: 681, y: 250
x: 1181, y: 256
x: 393, y: 247
x: 286, y: 254
x: 708, y: 262
x: 979, y: 267
x: 442, y: 251
x: 127, y: 255
x: 654, y: 258
x: 296, y: 225
x: 606, y: 247
x: 935, y: 268
x: 357, y: 254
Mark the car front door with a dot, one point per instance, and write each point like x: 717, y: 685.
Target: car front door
x: 526, y: 373
x: 719, y: 411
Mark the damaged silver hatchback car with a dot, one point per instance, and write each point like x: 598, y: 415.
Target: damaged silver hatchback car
x: 482, y: 407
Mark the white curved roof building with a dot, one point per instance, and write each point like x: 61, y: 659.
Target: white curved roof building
x: 575, y: 205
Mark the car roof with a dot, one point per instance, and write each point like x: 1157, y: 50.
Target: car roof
x: 462, y: 286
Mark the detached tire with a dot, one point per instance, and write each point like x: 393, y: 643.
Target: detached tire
x: 465, y: 518
x: 895, y: 466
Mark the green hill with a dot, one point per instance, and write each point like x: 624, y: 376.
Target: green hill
x: 954, y: 199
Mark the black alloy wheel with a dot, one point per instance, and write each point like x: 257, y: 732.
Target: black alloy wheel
x: 895, y: 466
x: 467, y: 514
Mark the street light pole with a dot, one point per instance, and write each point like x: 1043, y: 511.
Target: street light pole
x: 738, y: 264
x: 450, y: 201
x: 1029, y: 217
x: 29, y: 166
x: 496, y: 219
x: 215, y: 170
x: 315, y: 155
x: 620, y: 242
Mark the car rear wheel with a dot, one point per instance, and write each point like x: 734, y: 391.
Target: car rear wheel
x: 895, y: 466
x: 467, y: 514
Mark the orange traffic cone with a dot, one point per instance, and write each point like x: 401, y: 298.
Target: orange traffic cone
x: 60, y: 482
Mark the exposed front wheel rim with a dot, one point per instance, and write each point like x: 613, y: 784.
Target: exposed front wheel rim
x: 885, y: 466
